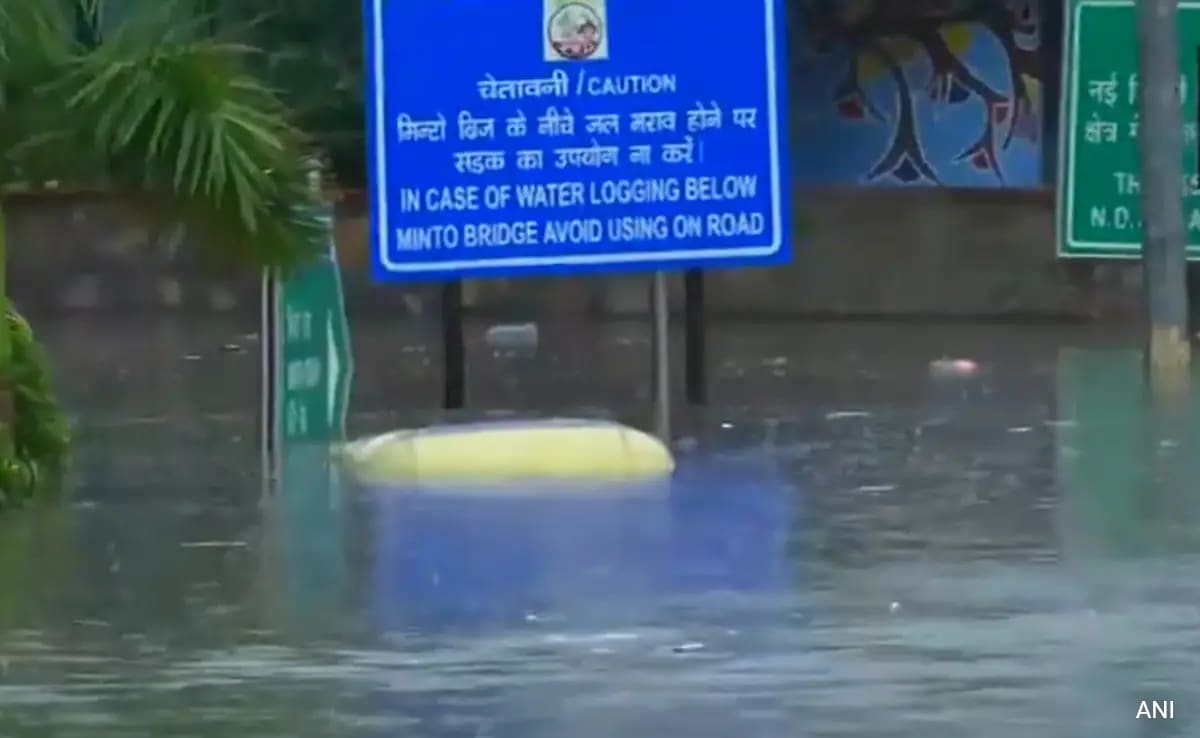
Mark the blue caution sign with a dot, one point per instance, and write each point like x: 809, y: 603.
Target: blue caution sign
x: 532, y: 136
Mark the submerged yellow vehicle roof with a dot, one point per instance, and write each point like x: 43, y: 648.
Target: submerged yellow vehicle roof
x: 558, y: 448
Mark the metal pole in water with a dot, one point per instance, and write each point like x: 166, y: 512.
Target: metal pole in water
x: 695, y: 351
x: 454, y: 359
x: 268, y: 443
x: 660, y: 344
x: 1160, y: 139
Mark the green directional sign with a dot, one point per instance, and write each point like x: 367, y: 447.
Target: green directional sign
x: 1099, y: 208
x: 308, y: 366
x: 307, y: 370
x: 314, y: 363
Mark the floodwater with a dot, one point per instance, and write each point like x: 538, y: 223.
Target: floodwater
x: 855, y: 544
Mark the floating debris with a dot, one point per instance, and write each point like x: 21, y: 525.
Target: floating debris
x: 845, y: 414
x: 948, y: 368
x: 876, y: 488
x: 688, y: 647
x: 511, y: 337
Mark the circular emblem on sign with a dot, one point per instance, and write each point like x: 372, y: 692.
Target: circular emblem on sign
x: 575, y: 31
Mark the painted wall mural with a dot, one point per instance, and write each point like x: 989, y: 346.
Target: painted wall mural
x: 918, y: 93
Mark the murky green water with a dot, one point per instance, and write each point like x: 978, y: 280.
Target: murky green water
x: 852, y: 547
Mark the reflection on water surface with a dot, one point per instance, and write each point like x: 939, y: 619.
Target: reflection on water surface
x: 851, y: 547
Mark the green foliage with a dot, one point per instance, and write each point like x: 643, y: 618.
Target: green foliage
x: 314, y: 58
x: 148, y: 98
x: 41, y: 428
x: 41, y: 437
x: 308, y: 51
x: 160, y: 106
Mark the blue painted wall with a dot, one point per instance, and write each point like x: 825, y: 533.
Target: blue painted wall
x: 920, y: 93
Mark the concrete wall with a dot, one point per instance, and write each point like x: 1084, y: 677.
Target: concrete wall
x: 866, y: 253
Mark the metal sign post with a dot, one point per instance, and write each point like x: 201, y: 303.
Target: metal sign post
x: 660, y: 345
x: 268, y: 392
x: 695, y: 338
x: 454, y: 359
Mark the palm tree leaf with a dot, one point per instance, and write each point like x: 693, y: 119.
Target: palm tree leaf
x: 311, y: 56
x: 160, y: 107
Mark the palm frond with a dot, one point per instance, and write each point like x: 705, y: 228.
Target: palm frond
x: 313, y: 56
x: 162, y: 108
x: 32, y: 38
x: 35, y: 45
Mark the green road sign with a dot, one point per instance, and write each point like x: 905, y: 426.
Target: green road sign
x: 313, y: 364
x: 1099, y: 211
x: 308, y: 366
